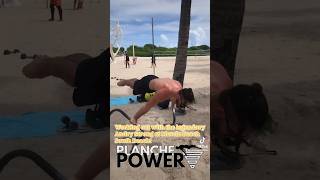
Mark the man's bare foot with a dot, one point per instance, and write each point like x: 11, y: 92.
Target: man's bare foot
x: 122, y: 82
x: 127, y: 82
x: 38, y: 68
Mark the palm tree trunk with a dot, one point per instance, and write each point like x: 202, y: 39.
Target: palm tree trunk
x: 181, y: 58
x: 226, y: 24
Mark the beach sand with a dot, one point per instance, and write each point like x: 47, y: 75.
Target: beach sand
x: 26, y: 27
x: 197, y: 76
x: 197, y: 73
x: 279, y: 47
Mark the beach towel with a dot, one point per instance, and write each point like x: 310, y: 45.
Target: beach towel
x: 123, y: 100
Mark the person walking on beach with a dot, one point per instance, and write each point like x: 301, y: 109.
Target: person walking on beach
x: 88, y: 77
x: 53, y: 4
x: 127, y: 60
x: 153, y: 61
x: 77, y: 4
x: 164, y: 88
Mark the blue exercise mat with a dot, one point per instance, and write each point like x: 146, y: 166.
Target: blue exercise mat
x: 41, y: 124
x: 120, y: 101
x: 37, y: 124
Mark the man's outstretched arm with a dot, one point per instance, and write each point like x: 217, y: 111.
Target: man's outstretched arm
x: 161, y: 95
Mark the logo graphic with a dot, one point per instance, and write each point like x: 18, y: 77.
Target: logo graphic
x: 192, y: 153
x: 192, y: 156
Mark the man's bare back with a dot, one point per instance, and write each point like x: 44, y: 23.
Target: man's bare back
x: 165, y: 83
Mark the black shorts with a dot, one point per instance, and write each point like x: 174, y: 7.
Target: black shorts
x: 142, y: 86
x: 91, y: 80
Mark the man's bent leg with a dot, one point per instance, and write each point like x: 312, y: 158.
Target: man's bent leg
x: 61, y: 67
x: 127, y: 82
x: 77, y: 57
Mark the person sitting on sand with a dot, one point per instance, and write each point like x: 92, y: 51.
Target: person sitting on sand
x: 55, y: 3
x: 238, y: 112
x: 134, y: 60
x: 164, y: 88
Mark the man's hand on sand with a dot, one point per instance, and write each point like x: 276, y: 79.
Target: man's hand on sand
x: 133, y: 121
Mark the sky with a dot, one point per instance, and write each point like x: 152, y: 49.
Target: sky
x: 135, y: 17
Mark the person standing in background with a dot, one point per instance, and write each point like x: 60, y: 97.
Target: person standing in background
x: 127, y: 60
x: 77, y: 4
x: 55, y: 3
x: 153, y: 61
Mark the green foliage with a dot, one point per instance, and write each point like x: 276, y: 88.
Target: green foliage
x: 147, y: 50
x: 115, y: 49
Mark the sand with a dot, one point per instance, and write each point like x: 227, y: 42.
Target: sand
x: 197, y: 77
x: 279, y: 47
x: 26, y: 28
x: 197, y: 70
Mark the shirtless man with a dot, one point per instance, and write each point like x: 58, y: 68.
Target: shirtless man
x: 165, y: 88
x: 88, y: 76
x: 238, y: 112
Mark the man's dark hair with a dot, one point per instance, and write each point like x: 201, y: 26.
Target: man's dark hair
x: 250, y: 105
x: 187, y: 95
